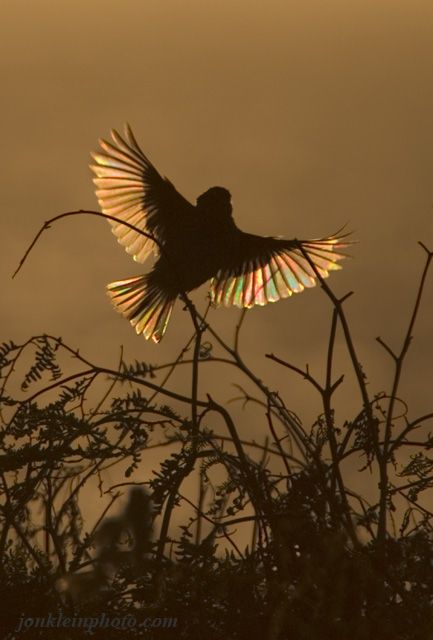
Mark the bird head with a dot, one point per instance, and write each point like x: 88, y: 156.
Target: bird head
x: 216, y: 200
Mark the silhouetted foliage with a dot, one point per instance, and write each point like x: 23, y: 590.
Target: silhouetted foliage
x: 321, y: 562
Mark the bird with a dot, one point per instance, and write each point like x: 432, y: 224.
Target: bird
x: 194, y: 243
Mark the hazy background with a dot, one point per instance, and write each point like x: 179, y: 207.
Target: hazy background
x: 313, y: 114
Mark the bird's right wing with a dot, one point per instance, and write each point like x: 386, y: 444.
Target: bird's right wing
x: 129, y: 188
x: 268, y: 269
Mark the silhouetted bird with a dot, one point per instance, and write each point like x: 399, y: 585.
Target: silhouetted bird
x: 195, y: 243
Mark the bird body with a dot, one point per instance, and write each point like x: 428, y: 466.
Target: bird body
x: 195, y: 243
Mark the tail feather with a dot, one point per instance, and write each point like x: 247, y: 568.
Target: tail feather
x: 147, y: 307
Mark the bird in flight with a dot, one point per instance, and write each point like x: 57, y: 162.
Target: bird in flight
x: 195, y: 243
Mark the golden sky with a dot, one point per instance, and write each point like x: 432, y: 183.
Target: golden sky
x: 314, y: 114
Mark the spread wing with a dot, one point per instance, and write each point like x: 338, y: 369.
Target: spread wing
x: 268, y: 269
x: 129, y: 188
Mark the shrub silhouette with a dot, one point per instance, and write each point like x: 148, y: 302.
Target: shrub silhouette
x: 322, y: 561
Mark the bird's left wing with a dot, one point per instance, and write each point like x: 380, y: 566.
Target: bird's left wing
x: 129, y: 188
x: 268, y: 269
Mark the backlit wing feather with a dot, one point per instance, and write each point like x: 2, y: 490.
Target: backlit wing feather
x: 271, y: 269
x: 129, y: 188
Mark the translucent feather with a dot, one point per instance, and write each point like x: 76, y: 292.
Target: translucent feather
x: 121, y: 191
x: 147, y: 309
x: 286, y: 271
